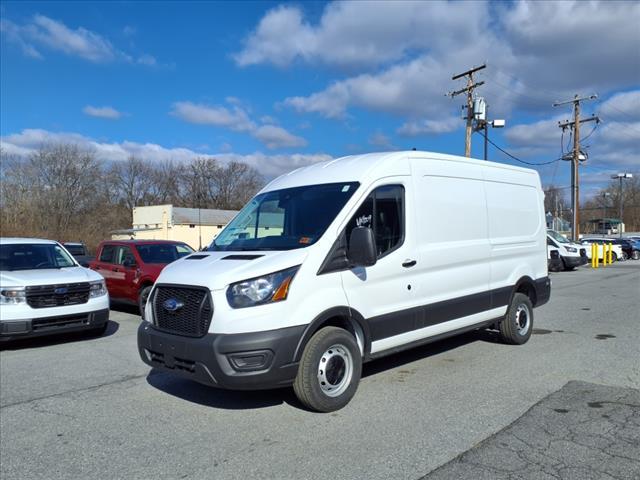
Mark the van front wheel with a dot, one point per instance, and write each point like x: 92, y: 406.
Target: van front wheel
x: 329, y: 370
x: 517, y: 325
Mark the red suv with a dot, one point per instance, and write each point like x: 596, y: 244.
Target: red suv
x: 130, y: 267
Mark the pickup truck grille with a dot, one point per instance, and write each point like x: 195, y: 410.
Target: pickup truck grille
x: 182, y: 310
x: 45, y: 296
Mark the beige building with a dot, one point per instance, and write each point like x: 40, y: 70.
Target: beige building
x: 193, y: 226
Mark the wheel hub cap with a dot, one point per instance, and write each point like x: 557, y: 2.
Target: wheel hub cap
x: 335, y: 370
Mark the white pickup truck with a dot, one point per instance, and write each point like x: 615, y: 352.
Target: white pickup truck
x: 43, y: 290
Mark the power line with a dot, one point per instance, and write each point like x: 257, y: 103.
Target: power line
x: 513, y: 156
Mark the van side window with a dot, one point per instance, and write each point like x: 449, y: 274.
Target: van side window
x: 382, y: 211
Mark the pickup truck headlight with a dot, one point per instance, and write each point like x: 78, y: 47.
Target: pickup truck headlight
x: 571, y: 249
x: 261, y: 290
x: 97, y: 289
x: 12, y: 295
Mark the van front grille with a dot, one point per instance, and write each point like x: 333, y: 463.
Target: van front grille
x: 182, y: 309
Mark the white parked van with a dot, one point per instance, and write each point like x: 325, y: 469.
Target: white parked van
x: 572, y: 254
x: 43, y: 291
x: 345, y: 261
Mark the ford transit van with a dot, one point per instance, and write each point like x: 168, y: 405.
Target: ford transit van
x: 349, y: 260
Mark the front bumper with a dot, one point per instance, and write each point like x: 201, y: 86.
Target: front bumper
x: 573, y: 262
x: 241, y: 361
x: 554, y: 264
x: 37, y: 327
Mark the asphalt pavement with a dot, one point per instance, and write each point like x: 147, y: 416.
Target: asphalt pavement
x: 83, y: 408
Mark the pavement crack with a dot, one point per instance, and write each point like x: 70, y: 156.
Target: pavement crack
x: 124, y: 379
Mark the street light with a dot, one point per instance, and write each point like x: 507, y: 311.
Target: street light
x: 620, y: 176
x: 604, y: 209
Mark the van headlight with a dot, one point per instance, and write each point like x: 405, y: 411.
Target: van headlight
x: 97, y: 289
x: 12, y: 295
x: 261, y: 290
x: 571, y: 249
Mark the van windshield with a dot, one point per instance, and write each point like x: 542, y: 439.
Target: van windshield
x: 557, y: 237
x: 285, y: 219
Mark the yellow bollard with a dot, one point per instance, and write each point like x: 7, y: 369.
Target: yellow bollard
x: 593, y: 257
x: 610, y: 253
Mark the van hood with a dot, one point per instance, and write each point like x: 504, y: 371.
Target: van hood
x: 216, y: 270
x: 53, y: 276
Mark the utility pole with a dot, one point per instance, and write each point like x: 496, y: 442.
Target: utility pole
x: 469, y: 91
x: 575, y: 160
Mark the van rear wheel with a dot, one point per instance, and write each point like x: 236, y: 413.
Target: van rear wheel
x: 329, y: 370
x: 517, y: 324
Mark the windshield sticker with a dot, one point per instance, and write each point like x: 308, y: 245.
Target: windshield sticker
x: 304, y: 240
x: 346, y: 188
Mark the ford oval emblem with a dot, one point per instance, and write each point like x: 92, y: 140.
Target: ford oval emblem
x: 172, y: 305
x: 61, y: 290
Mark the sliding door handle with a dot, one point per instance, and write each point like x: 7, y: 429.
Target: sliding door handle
x: 409, y: 263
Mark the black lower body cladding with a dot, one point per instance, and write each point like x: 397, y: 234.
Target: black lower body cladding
x: 240, y: 361
x: 39, y: 327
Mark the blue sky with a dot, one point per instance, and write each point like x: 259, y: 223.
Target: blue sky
x: 280, y: 85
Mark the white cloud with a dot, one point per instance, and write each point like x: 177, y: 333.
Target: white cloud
x: 612, y: 143
x: 379, y: 139
x: 29, y: 140
x: 237, y: 119
x: 537, y: 52
x: 430, y: 127
x: 623, y: 106
x: 109, y: 113
x: 363, y: 33
x: 277, y: 137
x: 46, y: 33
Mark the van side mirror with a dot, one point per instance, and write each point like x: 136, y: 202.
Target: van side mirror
x: 362, y: 247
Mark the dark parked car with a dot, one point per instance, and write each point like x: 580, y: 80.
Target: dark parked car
x: 629, y: 247
x: 79, y: 252
x: 130, y: 267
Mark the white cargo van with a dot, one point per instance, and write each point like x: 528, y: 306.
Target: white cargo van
x: 345, y: 261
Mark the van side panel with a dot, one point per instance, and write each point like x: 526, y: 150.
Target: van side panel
x: 452, y: 248
x: 517, y: 229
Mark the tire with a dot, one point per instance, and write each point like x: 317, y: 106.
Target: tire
x: 635, y: 255
x: 625, y: 256
x: 328, y: 389
x: 614, y: 257
x: 516, y: 327
x: 143, y: 297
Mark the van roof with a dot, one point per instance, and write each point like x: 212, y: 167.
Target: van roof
x: 367, y: 167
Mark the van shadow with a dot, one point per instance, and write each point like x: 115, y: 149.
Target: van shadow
x: 194, y: 392
x: 197, y: 393
x: 406, y: 357
x: 58, y: 338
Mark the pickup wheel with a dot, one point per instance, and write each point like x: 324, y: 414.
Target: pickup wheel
x: 636, y: 255
x: 143, y: 297
x: 329, y: 370
x: 517, y: 324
